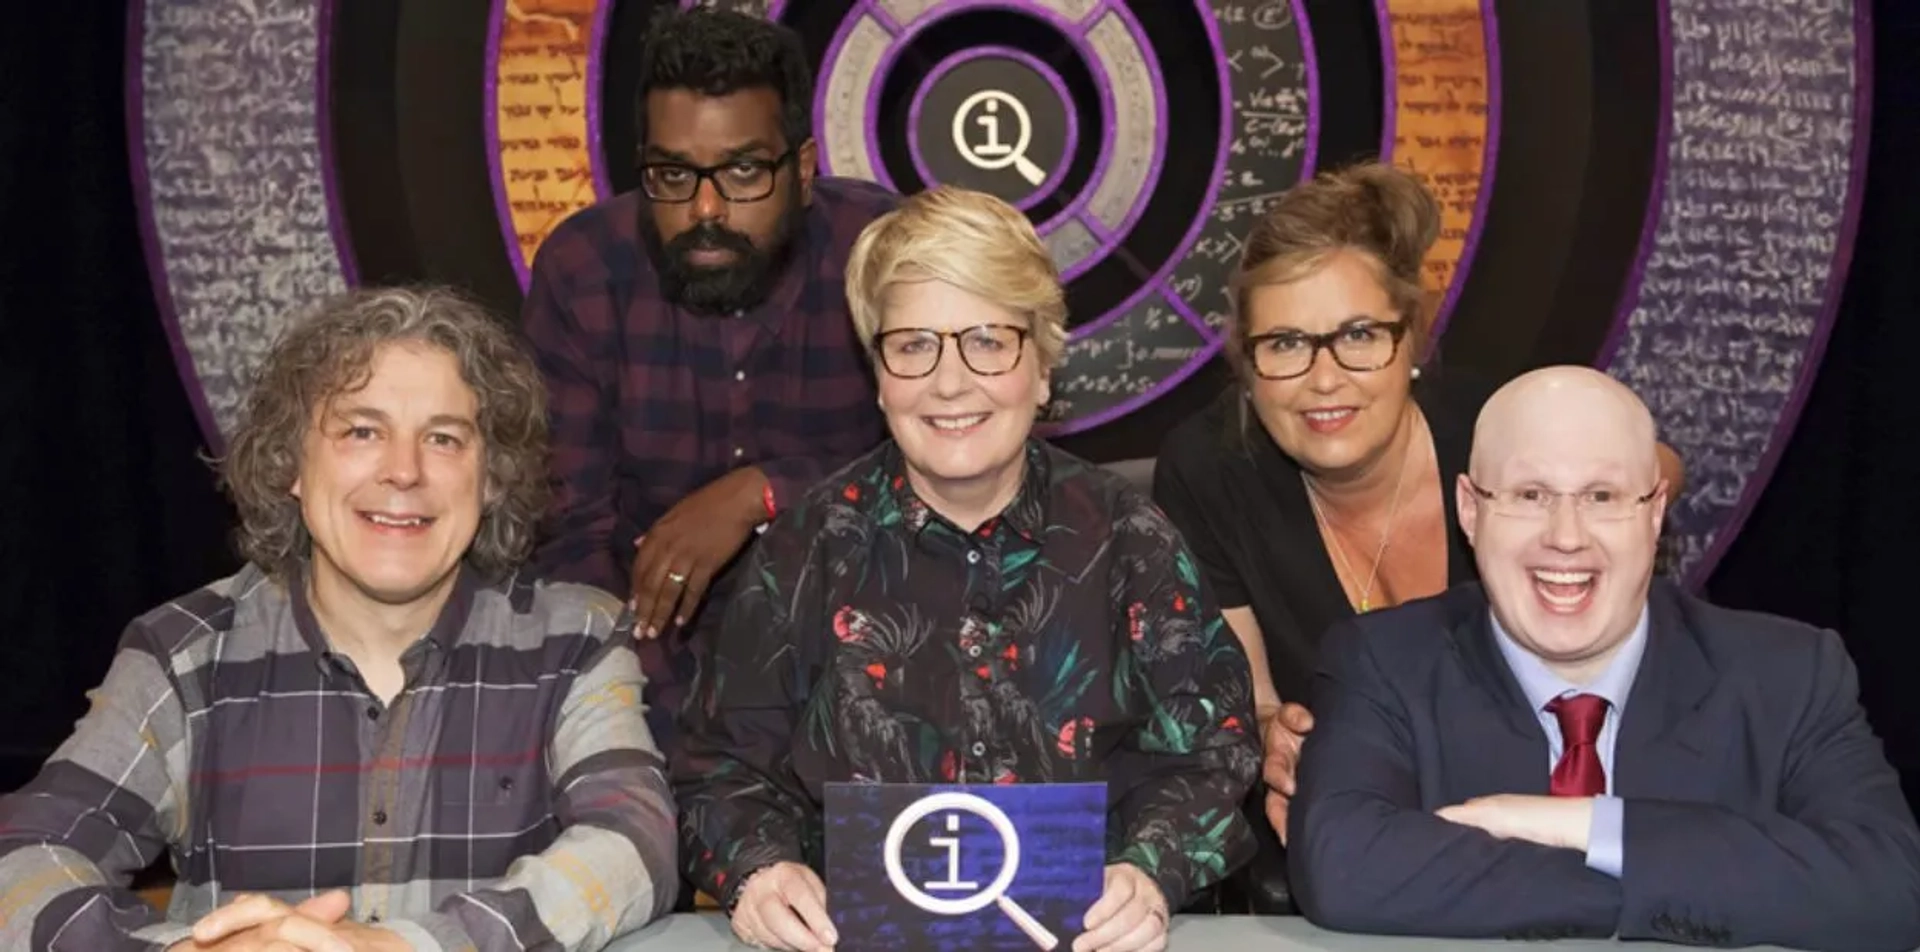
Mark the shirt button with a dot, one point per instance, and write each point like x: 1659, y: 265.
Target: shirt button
x: 979, y: 749
x: 973, y: 557
x: 973, y: 651
x: 373, y: 712
x: 379, y: 818
x: 740, y: 375
x: 374, y: 918
x: 739, y: 451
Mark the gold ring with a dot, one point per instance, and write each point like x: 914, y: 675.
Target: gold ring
x: 676, y: 578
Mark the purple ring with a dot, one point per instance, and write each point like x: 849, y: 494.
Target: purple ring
x: 953, y: 62
x: 323, y: 122
x: 1075, y: 33
x: 1142, y: 200
x: 1844, y: 238
x: 490, y: 109
x: 149, y: 230
x: 1489, y: 157
x: 1656, y: 196
x: 1389, y: 80
x: 596, y: 43
x: 1310, y: 59
x: 1157, y: 284
x: 1706, y: 527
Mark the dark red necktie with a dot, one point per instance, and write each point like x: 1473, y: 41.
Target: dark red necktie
x: 1579, y: 774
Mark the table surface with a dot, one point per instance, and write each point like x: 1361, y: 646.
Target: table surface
x: 708, y: 932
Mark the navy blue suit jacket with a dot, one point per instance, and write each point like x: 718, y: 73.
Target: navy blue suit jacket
x: 1759, y: 807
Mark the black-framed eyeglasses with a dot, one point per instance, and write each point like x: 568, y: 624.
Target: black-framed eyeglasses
x: 987, y: 349
x: 737, y: 180
x: 1600, y: 504
x: 1359, y: 346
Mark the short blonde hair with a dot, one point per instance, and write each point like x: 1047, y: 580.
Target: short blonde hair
x: 968, y: 239
x: 1379, y: 211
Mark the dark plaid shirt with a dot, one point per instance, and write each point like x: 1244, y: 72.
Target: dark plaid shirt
x: 651, y: 401
x: 1068, y: 639
x: 510, y: 796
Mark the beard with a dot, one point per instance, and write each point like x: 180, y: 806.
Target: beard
x: 739, y: 286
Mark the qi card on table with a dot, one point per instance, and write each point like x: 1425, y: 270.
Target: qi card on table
x: 944, y: 866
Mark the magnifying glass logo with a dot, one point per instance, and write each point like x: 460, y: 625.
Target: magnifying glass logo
x: 996, y: 891
x: 993, y: 154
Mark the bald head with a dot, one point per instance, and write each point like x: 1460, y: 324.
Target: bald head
x: 1579, y: 409
x: 1563, y: 506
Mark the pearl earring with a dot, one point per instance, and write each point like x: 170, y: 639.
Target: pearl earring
x: 1416, y: 373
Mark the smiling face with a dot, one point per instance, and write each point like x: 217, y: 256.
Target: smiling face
x: 1566, y: 586
x: 1333, y: 421
x: 963, y: 433
x: 392, y: 478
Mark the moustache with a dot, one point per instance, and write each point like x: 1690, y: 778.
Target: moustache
x: 710, y: 237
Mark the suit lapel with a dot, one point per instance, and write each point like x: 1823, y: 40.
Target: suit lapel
x: 1510, y: 754
x: 1664, y: 733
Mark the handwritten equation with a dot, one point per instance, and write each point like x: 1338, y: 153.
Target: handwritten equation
x: 1135, y: 356
x: 1268, y: 146
x: 1740, y: 277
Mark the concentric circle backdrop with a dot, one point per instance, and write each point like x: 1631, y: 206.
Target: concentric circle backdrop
x: 1667, y: 192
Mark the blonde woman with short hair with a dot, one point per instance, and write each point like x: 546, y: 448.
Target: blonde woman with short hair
x: 966, y: 604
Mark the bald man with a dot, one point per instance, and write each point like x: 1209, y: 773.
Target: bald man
x: 1571, y: 748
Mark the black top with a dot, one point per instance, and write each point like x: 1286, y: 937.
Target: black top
x: 1245, y: 514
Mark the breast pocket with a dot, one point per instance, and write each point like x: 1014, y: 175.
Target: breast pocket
x: 494, y: 813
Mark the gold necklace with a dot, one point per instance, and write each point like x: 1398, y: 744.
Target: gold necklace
x: 1386, y: 532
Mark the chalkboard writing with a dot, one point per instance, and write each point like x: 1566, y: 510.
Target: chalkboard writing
x: 543, y: 154
x: 1269, y: 149
x: 1740, y: 281
x: 1442, y: 97
x: 1105, y: 373
x: 232, y: 173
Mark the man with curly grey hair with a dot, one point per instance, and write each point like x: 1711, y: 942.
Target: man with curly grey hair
x: 378, y: 734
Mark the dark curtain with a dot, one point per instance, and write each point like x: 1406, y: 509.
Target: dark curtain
x: 107, y: 509
x: 1832, y: 541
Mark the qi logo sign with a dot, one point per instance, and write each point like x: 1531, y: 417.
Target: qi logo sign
x: 993, y: 154
x: 952, y: 844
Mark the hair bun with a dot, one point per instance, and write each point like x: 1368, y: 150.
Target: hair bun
x: 1403, y: 220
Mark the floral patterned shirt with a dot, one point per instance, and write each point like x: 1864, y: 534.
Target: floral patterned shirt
x: 1068, y: 639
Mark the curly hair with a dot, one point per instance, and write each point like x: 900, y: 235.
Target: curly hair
x: 719, y: 52
x: 330, y: 352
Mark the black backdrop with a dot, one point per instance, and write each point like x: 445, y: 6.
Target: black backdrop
x: 106, y: 508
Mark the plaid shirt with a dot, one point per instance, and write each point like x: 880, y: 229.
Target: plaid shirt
x: 510, y: 797
x: 650, y: 402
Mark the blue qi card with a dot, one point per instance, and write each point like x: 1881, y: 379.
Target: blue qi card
x: 944, y: 866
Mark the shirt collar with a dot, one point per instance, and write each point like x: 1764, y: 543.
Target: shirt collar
x: 889, y: 488
x: 446, y: 631
x: 1541, y: 685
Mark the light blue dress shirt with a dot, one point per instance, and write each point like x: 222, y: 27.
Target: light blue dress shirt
x: 1605, y: 847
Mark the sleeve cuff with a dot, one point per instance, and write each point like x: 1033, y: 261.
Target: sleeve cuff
x: 1606, y: 850
x: 1170, y: 878
x: 435, y: 932
x: 163, y: 935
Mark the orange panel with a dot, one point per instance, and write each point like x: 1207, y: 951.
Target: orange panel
x: 1442, y: 96
x: 544, y: 158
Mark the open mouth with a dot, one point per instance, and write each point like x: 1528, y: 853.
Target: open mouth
x: 1564, y: 591
x: 396, y: 522
x: 957, y: 425
x: 1329, y: 419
